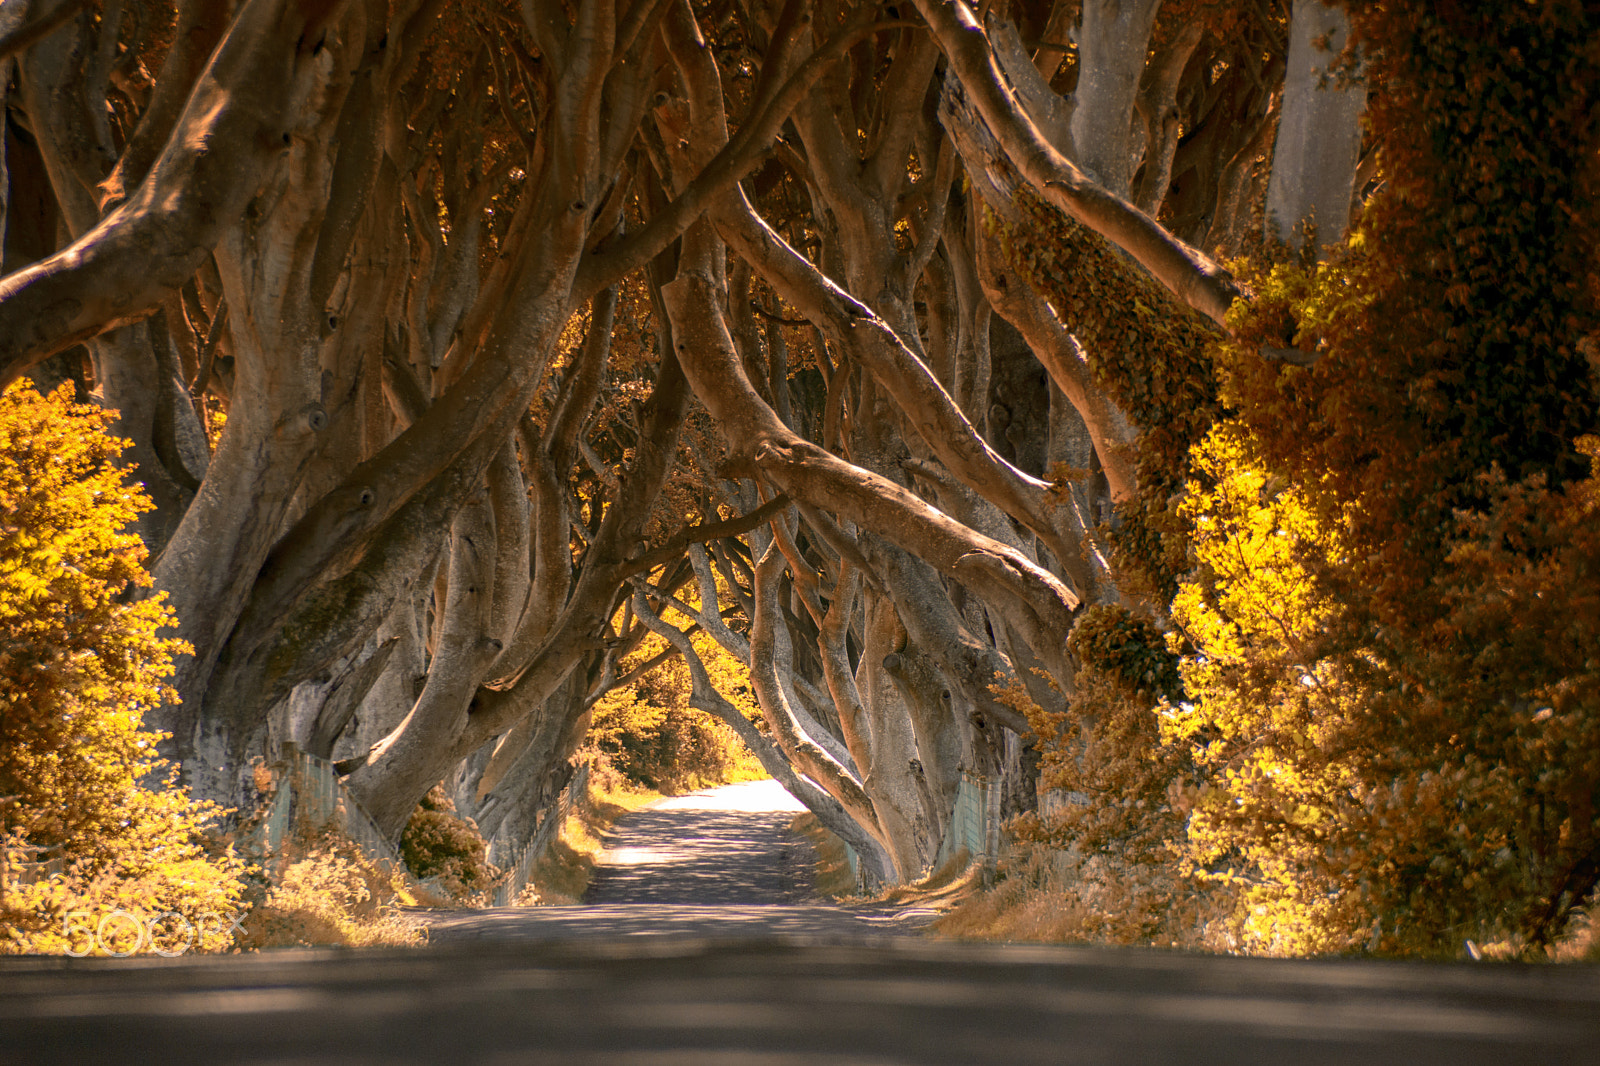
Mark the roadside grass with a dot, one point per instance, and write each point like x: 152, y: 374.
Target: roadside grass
x: 323, y: 891
x: 1043, y: 895
x: 1032, y: 914
x: 942, y: 889
x: 1582, y: 942
x: 831, y: 876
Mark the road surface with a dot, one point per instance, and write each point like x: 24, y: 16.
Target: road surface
x: 720, y: 862
x: 719, y: 981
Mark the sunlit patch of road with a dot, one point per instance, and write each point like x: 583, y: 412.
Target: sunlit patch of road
x: 717, y: 863
x: 756, y: 797
x: 644, y: 856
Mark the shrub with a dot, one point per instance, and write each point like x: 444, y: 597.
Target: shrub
x: 80, y: 663
x: 438, y: 843
x: 326, y: 891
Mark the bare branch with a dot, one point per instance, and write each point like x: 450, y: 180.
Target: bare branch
x: 731, y: 163
x: 876, y: 346
x: 699, y: 534
x: 704, y: 696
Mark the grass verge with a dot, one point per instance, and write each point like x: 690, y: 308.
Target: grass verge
x: 831, y: 876
x: 943, y: 888
x: 325, y: 891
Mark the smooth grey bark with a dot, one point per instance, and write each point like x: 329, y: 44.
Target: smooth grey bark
x: 1113, y: 38
x: 209, y: 567
x: 970, y: 666
x: 396, y: 689
x: 1189, y: 275
x: 403, y: 765
x: 344, y: 695
x: 771, y: 667
x: 440, y: 459
x: 236, y: 125
x: 1318, y: 147
x: 837, y: 748
x: 537, y: 761
x: 891, y: 772
x: 1158, y: 111
x: 1051, y: 113
x: 932, y: 711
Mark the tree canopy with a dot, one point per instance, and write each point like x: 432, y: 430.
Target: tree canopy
x: 478, y: 357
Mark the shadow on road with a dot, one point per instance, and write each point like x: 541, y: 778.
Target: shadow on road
x: 650, y: 1001
x: 700, y: 952
x: 703, y: 857
x: 717, y: 863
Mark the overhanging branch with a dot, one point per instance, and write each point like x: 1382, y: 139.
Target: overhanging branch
x: 700, y: 534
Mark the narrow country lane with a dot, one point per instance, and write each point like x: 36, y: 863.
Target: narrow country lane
x: 729, y: 845
x: 720, y: 862
x: 704, y: 949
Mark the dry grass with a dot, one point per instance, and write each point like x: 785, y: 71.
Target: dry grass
x: 831, y: 876
x: 324, y: 891
x: 1050, y: 896
x: 943, y: 888
x: 1582, y: 942
x: 1045, y: 895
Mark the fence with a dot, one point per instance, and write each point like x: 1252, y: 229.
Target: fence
x: 25, y: 872
x: 974, y: 823
x: 523, y: 860
x: 309, y: 788
x: 1054, y: 802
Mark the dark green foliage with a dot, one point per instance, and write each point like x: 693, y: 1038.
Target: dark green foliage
x: 1127, y: 650
x: 1150, y: 353
x: 438, y: 843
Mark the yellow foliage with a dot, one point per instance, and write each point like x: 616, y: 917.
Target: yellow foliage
x: 79, y: 666
x: 1266, y: 715
x: 326, y: 891
x: 437, y: 843
x: 1404, y: 799
x: 648, y: 732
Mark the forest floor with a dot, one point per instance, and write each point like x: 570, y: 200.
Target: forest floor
x: 721, y: 862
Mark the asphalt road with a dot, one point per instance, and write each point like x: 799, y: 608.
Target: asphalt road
x: 716, y: 863
x: 707, y: 1002
x: 721, y: 981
